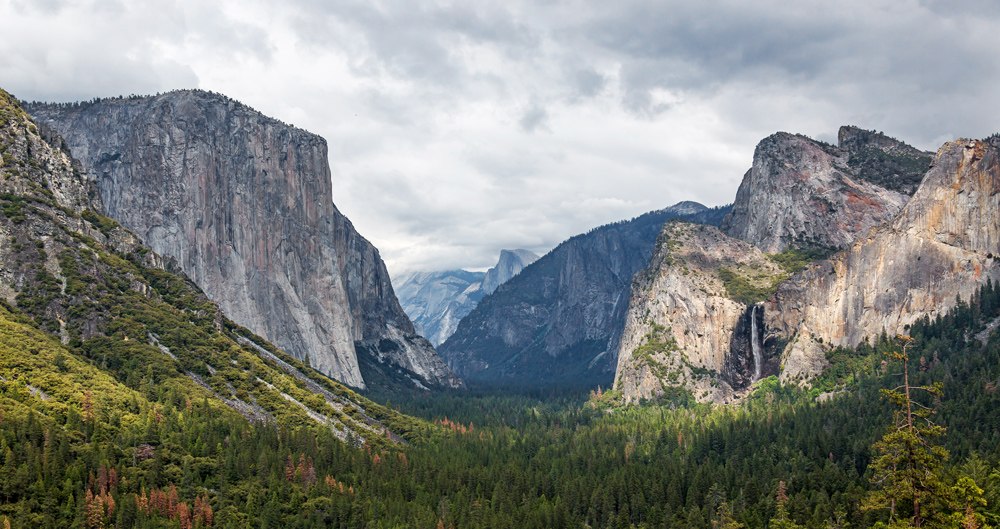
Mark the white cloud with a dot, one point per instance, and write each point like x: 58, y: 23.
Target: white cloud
x: 458, y: 128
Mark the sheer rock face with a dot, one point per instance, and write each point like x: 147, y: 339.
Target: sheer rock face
x: 510, y: 264
x: 244, y: 204
x: 682, y: 329
x: 802, y: 193
x: 943, y: 244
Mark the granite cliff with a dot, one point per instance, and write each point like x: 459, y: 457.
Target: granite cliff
x: 244, y: 205
x: 808, y: 194
x: 684, y: 330
x: 124, y: 324
x: 558, y: 322
x: 437, y: 301
x: 698, y: 319
x: 511, y: 263
x: 944, y: 244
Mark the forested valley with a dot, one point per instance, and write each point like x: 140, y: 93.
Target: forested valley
x: 785, y: 457
x: 129, y: 400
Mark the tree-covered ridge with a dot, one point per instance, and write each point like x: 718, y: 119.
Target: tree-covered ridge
x: 524, y: 462
x: 125, y: 395
x: 898, y: 171
x: 131, y: 341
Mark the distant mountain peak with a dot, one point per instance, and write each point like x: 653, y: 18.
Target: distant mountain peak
x: 511, y: 262
x: 437, y: 301
x: 686, y: 207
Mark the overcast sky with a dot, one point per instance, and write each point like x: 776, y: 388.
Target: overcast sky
x: 460, y: 128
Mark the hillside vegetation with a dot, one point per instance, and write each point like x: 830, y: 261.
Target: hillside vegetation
x: 128, y: 400
x: 122, y: 365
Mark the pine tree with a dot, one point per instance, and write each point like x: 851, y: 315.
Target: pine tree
x: 724, y: 518
x: 971, y: 503
x: 781, y: 519
x: 909, y: 470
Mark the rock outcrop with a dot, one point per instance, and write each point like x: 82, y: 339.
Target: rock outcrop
x: 684, y: 330
x: 244, y: 204
x: 804, y: 193
x: 558, y: 322
x: 944, y: 244
x: 511, y: 263
x: 437, y: 301
x: 899, y: 263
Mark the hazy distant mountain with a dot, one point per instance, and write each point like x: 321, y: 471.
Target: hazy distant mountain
x: 558, y: 322
x: 437, y: 301
x: 511, y: 262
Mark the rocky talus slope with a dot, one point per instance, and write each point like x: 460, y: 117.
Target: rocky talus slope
x: 805, y: 194
x: 244, y: 204
x: 437, y: 301
x: 558, y: 322
x: 944, y: 244
x: 683, y: 328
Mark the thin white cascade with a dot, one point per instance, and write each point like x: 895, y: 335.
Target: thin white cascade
x: 755, y: 345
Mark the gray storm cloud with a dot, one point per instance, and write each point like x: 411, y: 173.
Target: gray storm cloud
x: 459, y: 128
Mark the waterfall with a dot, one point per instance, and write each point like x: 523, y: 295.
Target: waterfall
x: 755, y: 345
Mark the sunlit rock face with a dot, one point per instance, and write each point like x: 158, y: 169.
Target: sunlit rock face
x: 683, y: 330
x: 900, y: 259
x: 942, y: 245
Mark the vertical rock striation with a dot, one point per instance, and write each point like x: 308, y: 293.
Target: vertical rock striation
x: 244, y: 204
x: 688, y: 325
x: 943, y: 244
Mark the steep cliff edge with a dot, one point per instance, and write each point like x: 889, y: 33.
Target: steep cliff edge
x: 558, y: 322
x: 684, y: 330
x: 244, y: 204
x: 943, y: 244
x: 696, y: 322
x: 123, y: 326
x: 804, y: 193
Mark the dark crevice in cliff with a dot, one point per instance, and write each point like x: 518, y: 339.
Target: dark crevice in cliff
x: 743, y: 365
